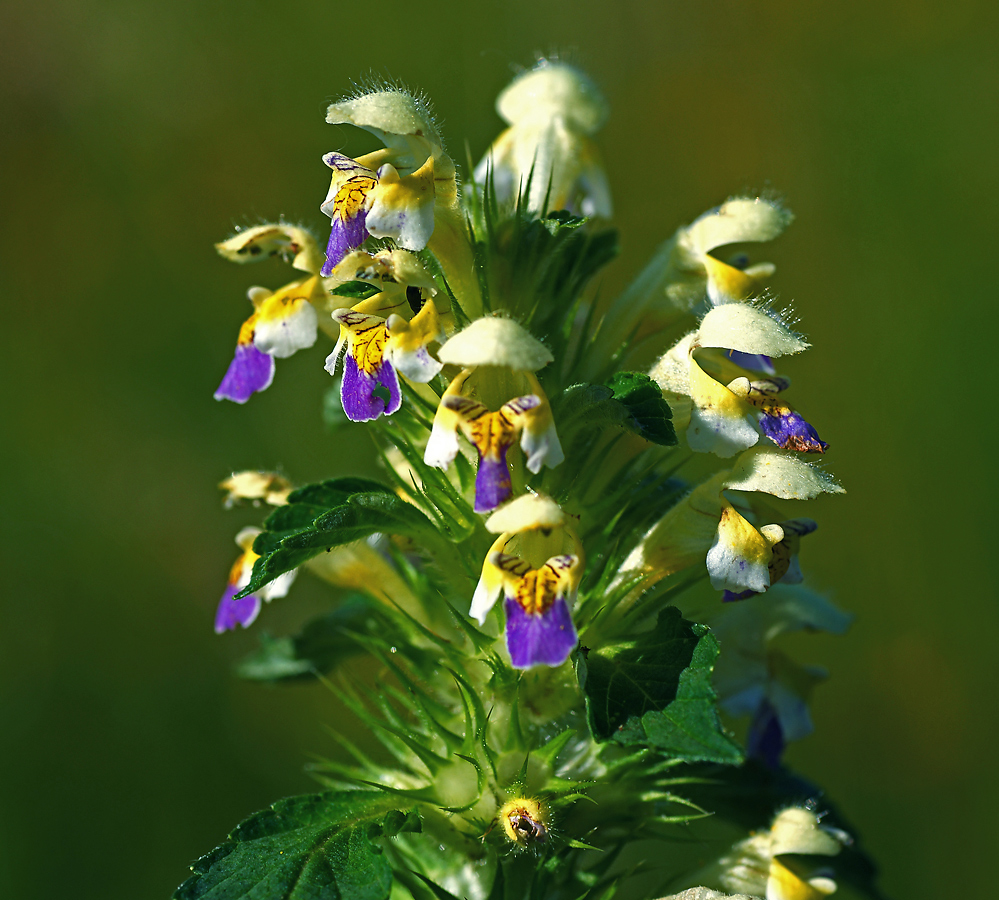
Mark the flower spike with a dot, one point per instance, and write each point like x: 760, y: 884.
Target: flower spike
x: 524, y: 651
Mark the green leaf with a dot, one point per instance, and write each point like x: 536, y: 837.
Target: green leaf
x: 649, y: 414
x: 326, y: 515
x: 629, y: 400
x: 312, y: 847
x: 656, y: 691
x: 356, y: 290
x: 320, y: 645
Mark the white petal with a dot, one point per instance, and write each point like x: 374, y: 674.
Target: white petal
x: 527, y: 512
x: 484, y: 599
x: 442, y: 447
x: 386, y: 114
x: 720, y: 422
x: 409, y: 225
x: 780, y: 473
x: 740, y: 326
x: 553, y: 89
x: 417, y: 365
x: 739, y: 558
x: 738, y: 220
x: 279, y: 587
x: 334, y: 357
x: 542, y: 449
x: 496, y: 341
x: 594, y: 188
x: 281, y: 337
x: 797, y: 830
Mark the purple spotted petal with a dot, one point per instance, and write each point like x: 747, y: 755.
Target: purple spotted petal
x: 344, y: 236
x: 731, y: 596
x: 492, y: 483
x: 251, y: 370
x: 765, y: 738
x: 755, y: 362
x: 790, y: 431
x: 357, y: 391
x: 235, y: 612
x: 539, y: 640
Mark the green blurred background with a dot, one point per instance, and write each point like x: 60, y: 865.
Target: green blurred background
x: 136, y: 134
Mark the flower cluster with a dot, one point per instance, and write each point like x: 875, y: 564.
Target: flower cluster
x: 531, y: 440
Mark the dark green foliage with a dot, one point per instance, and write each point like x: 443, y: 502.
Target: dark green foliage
x: 311, y: 847
x: 356, y: 290
x: 650, y: 413
x: 655, y: 690
x: 629, y: 400
x: 326, y: 515
x: 320, y: 645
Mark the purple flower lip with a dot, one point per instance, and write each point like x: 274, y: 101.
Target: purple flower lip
x: 765, y: 738
x: 250, y: 371
x: 756, y: 362
x: 232, y: 612
x: 492, y: 483
x: 364, y: 396
x: 544, y: 639
x: 789, y: 431
x: 345, y: 235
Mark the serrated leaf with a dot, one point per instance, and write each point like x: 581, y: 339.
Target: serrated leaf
x: 655, y: 691
x: 356, y: 290
x: 291, y: 539
x: 335, y: 491
x: 649, y: 414
x: 311, y: 847
x: 629, y: 400
x: 320, y: 645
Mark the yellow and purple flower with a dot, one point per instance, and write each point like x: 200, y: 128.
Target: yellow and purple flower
x: 539, y: 582
x: 705, y: 526
x: 232, y: 612
x: 722, y: 409
x: 497, y: 355
x: 783, y: 566
x: 380, y: 347
x: 393, y: 192
x: 283, y: 321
